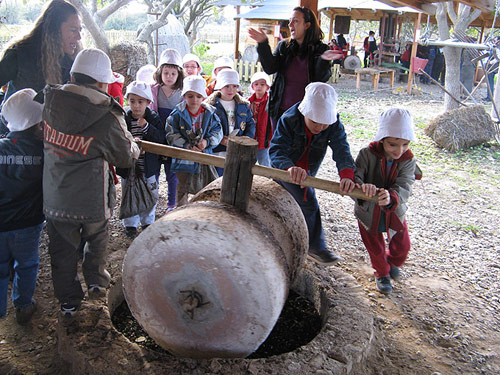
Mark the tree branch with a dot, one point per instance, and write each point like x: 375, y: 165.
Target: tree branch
x: 451, y: 11
x: 108, y: 10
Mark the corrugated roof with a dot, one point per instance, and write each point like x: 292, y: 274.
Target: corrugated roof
x: 281, y: 9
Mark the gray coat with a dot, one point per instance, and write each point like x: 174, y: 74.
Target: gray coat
x: 371, y: 169
x: 84, y: 132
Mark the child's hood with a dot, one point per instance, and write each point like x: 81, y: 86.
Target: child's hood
x: 72, y: 108
x: 217, y: 94
x: 377, y: 149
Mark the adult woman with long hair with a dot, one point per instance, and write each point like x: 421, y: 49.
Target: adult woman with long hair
x: 297, y: 61
x: 46, y: 54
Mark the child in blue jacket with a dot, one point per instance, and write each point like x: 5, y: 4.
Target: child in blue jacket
x: 299, y: 145
x: 232, y: 109
x: 193, y: 125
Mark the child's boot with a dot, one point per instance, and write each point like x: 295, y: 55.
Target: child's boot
x: 384, y: 284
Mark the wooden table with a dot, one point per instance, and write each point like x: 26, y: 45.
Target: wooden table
x: 375, y: 73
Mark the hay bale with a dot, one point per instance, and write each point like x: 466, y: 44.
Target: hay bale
x: 126, y: 58
x: 461, y: 128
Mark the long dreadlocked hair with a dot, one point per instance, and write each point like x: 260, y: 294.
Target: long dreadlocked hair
x: 46, y: 35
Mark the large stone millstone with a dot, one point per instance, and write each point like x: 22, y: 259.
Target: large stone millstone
x: 208, y: 281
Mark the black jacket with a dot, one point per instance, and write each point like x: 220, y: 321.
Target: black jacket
x: 21, y: 168
x: 21, y: 66
x: 278, y: 62
x: 155, y: 132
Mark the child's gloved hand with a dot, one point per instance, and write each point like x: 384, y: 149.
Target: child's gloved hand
x: 297, y: 174
x: 369, y: 189
x: 384, y: 197
x: 347, y: 185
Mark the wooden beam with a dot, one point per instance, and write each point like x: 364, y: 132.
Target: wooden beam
x: 258, y: 170
x: 237, y: 44
x: 416, y: 33
x: 311, y: 4
x: 330, y: 30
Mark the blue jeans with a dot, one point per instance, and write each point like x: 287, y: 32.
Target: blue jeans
x: 263, y: 157
x: 20, y: 248
x: 310, y: 209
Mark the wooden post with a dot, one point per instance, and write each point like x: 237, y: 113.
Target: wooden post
x: 237, y: 181
x: 330, y: 30
x: 382, y: 36
x: 312, y: 5
x: 237, y: 41
x: 416, y: 34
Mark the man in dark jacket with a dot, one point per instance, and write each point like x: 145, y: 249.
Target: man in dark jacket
x: 21, y: 217
x: 84, y: 132
x: 299, y: 145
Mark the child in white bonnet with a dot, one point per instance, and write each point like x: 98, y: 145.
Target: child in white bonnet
x: 387, y: 169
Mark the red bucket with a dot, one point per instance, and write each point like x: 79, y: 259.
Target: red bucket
x: 418, y: 63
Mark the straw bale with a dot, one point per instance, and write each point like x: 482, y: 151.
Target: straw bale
x: 461, y: 128
x: 126, y: 58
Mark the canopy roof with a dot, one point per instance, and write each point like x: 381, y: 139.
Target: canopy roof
x: 357, y: 9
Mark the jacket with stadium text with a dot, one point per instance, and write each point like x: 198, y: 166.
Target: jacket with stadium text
x: 84, y: 132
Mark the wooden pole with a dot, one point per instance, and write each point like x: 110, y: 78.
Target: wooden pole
x: 382, y: 37
x: 258, y: 170
x: 416, y: 34
x: 330, y: 30
x: 237, y: 182
x: 237, y: 42
x: 312, y: 5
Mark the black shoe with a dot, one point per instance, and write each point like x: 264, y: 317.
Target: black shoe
x: 384, y: 284
x: 145, y: 226
x: 395, y: 273
x: 68, y: 310
x: 24, y: 314
x: 131, y: 232
x: 324, y: 257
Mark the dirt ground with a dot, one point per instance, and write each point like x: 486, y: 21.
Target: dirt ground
x: 442, y: 318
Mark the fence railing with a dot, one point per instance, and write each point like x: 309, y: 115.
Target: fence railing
x: 247, y: 69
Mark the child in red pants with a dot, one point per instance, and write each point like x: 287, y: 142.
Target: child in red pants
x: 387, y: 169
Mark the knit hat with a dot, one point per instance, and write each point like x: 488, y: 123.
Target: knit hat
x: 145, y: 74
x: 21, y: 111
x: 196, y: 84
x: 93, y: 63
x: 227, y: 77
x: 397, y: 123
x: 190, y: 57
x: 222, y: 62
x: 320, y: 103
x: 170, y: 56
x: 141, y: 89
x: 261, y: 75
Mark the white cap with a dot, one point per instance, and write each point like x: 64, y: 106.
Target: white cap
x: 227, y: 77
x: 145, y: 74
x: 320, y: 103
x: 118, y: 78
x: 190, y: 57
x: 196, y: 84
x: 95, y: 64
x: 141, y: 89
x: 222, y: 62
x: 170, y: 56
x: 21, y: 111
x: 397, y: 123
x: 261, y: 75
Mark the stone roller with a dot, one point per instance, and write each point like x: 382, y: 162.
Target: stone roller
x: 208, y: 280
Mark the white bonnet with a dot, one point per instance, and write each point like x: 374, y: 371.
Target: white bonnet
x: 227, y: 77
x: 141, y: 89
x: 397, y: 123
x: 93, y: 63
x: 261, y: 75
x: 170, y: 56
x: 320, y: 103
x: 21, y: 111
x: 146, y: 74
x: 196, y: 84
